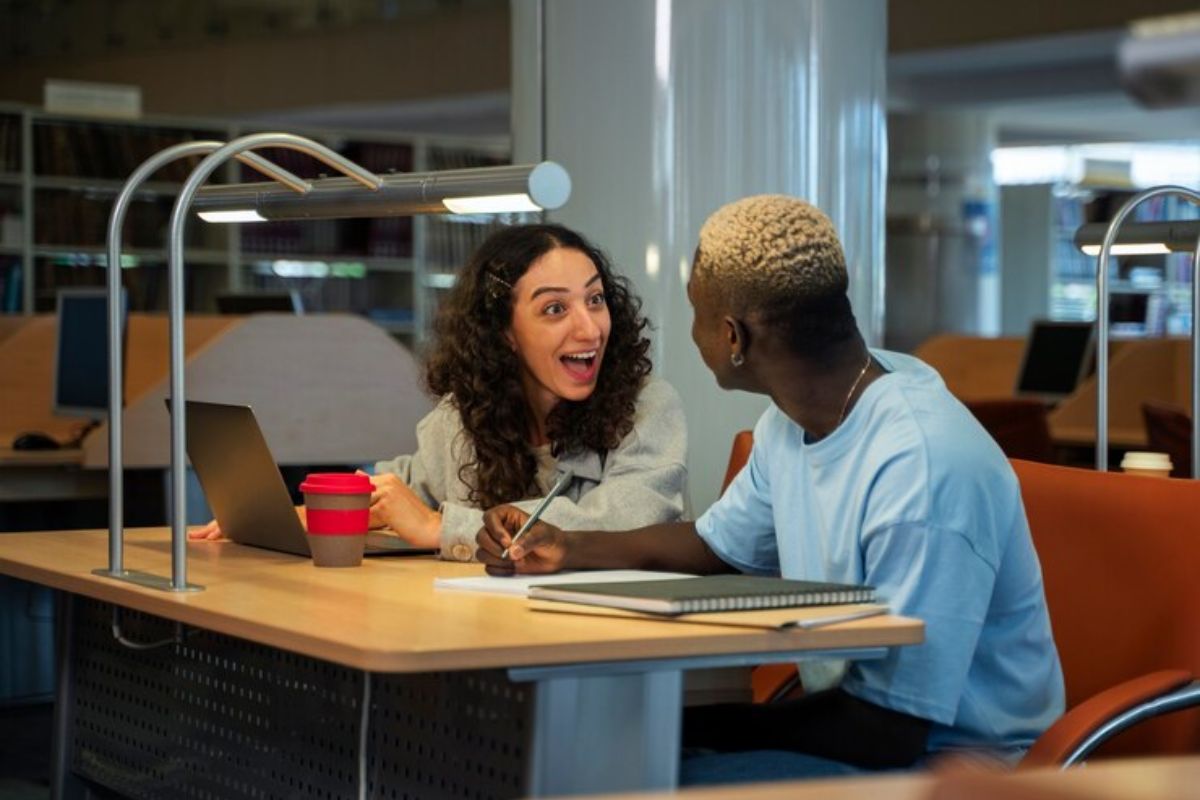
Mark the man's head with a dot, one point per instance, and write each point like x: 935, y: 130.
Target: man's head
x: 771, y: 265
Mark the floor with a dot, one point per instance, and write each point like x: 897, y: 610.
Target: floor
x: 25, y: 737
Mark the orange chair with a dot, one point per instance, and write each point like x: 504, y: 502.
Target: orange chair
x: 1121, y: 565
x: 1018, y: 425
x: 743, y: 443
x: 1169, y: 430
x: 768, y: 682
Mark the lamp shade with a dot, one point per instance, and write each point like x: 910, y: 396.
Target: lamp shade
x: 482, y: 190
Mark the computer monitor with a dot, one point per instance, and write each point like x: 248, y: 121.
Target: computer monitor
x: 1058, y: 355
x: 81, y: 355
x: 1129, y: 313
x: 256, y: 302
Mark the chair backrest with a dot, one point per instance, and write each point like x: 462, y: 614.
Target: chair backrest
x: 1169, y: 430
x: 743, y: 443
x: 1019, y: 426
x: 768, y: 682
x: 1120, y: 559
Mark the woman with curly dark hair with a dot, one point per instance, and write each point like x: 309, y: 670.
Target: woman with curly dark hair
x: 541, y: 365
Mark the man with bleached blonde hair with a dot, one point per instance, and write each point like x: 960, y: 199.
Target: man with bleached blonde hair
x: 865, y: 470
x: 781, y: 260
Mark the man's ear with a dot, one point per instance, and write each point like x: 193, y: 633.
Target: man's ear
x: 738, y: 335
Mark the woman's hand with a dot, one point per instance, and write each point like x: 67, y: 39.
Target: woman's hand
x: 211, y: 531
x: 208, y: 532
x: 395, y: 506
x: 542, y: 549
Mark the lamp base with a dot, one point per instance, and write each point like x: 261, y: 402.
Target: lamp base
x: 146, y: 579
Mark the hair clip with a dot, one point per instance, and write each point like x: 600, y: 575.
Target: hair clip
x: 499, y: 280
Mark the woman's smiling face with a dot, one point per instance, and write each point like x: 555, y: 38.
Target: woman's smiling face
x: 560, y: 325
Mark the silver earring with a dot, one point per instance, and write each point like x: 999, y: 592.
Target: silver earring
x: 737, y: 359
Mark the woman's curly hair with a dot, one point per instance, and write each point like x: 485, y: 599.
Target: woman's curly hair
x: 472, y: 363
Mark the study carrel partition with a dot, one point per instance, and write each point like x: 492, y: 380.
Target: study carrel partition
x: 982, y: 368
x: 326, y: 389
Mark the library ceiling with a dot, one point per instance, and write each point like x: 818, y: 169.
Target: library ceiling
x: 40, y: 29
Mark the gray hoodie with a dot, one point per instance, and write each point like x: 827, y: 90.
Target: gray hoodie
x: 641, y: 482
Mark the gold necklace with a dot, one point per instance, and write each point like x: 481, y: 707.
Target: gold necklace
x: 853, y: 386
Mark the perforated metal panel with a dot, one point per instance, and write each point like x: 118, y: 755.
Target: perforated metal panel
x: 448, y: 735
x: 218, y: 717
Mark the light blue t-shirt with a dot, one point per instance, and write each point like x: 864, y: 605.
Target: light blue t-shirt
x: 909, y: 495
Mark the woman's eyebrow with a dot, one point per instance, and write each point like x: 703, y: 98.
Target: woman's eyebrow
x: 545, y: 289
x: 561, y: 289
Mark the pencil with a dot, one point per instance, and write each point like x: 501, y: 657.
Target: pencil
x: 555, y: 491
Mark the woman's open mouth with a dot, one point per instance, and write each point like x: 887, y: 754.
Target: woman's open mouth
x: 581, y: 366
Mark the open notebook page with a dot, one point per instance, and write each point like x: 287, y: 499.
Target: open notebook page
x: 519, y: 584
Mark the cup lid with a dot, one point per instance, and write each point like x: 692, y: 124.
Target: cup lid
x: 1143, y: 460
x: 336, y: 483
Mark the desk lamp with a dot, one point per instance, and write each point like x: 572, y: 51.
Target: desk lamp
x: 116, y: 222
x: 544, y: 186
x: 1111, y: 239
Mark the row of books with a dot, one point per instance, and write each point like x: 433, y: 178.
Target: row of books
x: 352, y: 295
x: 11, y: 285
x: 446, y: 158
x: 450, y: 241
x: 145, y: 286
x: 384, y: 237
x: 10, y: 143
x: 376, y: 295
x: 379, y: 157
x: 109, y: 151
x: 65, y: 217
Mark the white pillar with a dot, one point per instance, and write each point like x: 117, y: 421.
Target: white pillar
x: 942, y: 218
x: 663, y: 110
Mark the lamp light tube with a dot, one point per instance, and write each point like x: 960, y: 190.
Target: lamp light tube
x: 1129, y: 249
x: 1141, y: 238
x: 233, y: 215
x: 482, y: 190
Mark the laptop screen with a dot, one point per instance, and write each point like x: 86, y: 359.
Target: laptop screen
x: 1058, y: 355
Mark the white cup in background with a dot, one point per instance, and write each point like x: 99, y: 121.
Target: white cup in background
x: 1155, y: 465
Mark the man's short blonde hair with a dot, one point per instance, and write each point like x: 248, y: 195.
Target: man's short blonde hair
x: 779, y: 259
x: 770, y: 249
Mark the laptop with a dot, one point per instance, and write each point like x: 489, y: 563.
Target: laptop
x: 245, y: 490
x: 1058, y: 357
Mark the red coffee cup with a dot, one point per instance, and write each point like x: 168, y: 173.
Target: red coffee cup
x: 338, y: 511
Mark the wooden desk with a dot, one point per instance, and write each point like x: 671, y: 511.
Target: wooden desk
x: 391, y: 630
x: 1134, y: 779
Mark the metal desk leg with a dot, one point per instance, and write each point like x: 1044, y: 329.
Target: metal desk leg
x: 606, y: 733
x: 64, y: 784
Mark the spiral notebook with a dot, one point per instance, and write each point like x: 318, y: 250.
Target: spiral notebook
x: 706, y: 594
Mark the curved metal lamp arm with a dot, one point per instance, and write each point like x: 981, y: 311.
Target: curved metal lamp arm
x: 1102, y: 323
x: 272, y: 171
x: 175, y: 316
x: 116, y: 224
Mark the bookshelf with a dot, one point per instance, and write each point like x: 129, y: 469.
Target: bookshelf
x: 59, y: 175
x: 1045, y: 275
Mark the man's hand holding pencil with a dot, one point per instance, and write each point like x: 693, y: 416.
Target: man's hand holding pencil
x: 542, y: 549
